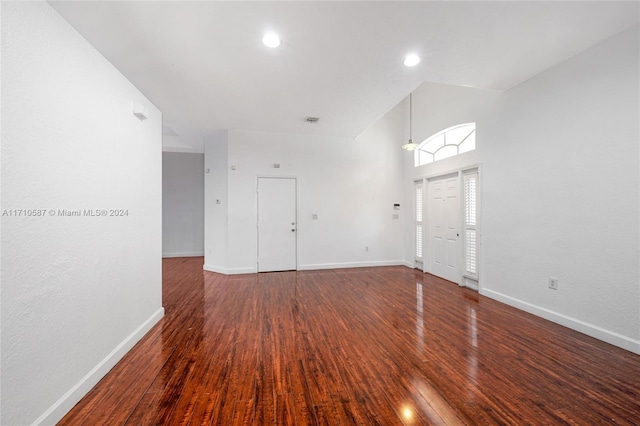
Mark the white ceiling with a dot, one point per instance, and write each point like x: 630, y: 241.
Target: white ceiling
x: 203, y: 63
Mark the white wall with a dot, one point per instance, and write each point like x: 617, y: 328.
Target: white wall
x: 350, y: 184
x: 216, y: 190
x: 560, y: 188
x: 0, y: 216
x: 182, y: 204
x: 561, y: 192
x: 77, y: 292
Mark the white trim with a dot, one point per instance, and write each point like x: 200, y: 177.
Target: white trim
x: 231, y: 271
x: 240, y: 271
x: 411, y: 265
x: 564, y: 320
x: 313, y: 266
x: 470, y: 282
x: 185, y: 254
x: 450, y: 171
x: 62, y: 406
x: 316, y: 266
x: 438, y: 177
x: 213, y: 268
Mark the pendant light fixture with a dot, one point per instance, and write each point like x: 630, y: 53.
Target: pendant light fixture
x: 410, y: 146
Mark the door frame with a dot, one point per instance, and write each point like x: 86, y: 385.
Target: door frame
x: 297, y: 193
x: 464, y: 280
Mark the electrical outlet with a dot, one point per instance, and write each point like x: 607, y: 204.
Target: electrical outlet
x: 366, y: 248
x: 553, y: 283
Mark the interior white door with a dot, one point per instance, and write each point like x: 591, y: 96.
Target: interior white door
x: 277, y: 224
x: 443, y: 237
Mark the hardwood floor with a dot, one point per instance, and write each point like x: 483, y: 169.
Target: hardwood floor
x: 356, y: 346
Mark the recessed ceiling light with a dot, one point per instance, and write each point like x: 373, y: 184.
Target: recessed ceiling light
x: 271, y: 40
x: 411, y: 60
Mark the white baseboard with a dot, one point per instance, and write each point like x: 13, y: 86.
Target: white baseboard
x: 316, y: 266
x: 309, y: 267
x: 75, y: 394
x: 572, y: 323
x: 228, y: 271
x: 214, y: 268
x: 186, y: 254
x: 238, y: 271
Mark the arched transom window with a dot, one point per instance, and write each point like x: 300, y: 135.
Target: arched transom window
x: 447, y: 143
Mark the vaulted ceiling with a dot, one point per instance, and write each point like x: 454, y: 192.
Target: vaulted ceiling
x: 203, y: 64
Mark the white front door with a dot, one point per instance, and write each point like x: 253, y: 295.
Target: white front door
x: 277, y: 224
x: 443, y: 228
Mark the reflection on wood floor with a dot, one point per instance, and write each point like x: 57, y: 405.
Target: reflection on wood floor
x: 356, y: 346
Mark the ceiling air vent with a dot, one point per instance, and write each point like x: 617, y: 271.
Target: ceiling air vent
x: 311, y: 119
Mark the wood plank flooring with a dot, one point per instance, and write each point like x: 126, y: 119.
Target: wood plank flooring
x: 367, y: 346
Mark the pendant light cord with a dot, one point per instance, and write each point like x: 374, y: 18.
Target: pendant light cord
x: 410, y: 115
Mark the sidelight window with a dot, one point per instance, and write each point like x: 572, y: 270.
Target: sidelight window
x: 418, y: 220
x: 471, y: 224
